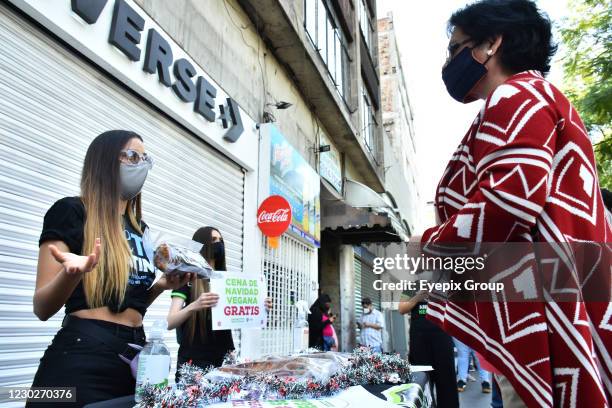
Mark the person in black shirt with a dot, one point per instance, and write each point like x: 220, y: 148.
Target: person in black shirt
x: 315, y: 321
x: 430, y: 345
x: 190, y: 311
x: 95, y: 261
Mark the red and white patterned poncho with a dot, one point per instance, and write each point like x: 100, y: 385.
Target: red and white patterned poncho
x: 525, y: 172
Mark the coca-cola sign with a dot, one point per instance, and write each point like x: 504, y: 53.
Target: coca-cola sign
x: 274, y: 216
x: 279, y: 215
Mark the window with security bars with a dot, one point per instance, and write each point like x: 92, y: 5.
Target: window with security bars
x: 288, y: 271
x: 328, y: 40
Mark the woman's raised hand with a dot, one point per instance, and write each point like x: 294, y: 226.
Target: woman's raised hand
x: 77, y: 264
x: 174, y: 281
x: 206, y: 300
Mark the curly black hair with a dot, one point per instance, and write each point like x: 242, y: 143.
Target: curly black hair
x: 526, y: 31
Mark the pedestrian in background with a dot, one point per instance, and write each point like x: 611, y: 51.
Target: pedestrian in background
x: 335, y: 347
x: 371, y: 324
x: 464, y: 353
x: 316, y: 324
x: 328, y: 330
x: 430, y: 345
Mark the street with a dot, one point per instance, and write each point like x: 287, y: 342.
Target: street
x: 473, y: 397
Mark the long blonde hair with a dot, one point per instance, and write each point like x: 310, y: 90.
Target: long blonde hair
x: 101, y: 196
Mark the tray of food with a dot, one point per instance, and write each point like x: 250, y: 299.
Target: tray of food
x: 308, y: 365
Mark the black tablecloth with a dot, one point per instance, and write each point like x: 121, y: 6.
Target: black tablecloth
x: 420, y: 378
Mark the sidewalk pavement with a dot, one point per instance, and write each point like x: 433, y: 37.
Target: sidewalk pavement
x: 473, y: 397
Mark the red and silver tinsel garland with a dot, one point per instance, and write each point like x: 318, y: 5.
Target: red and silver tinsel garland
x: 194, y: 390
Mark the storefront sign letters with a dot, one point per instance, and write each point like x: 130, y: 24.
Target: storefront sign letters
x: 180, y: 75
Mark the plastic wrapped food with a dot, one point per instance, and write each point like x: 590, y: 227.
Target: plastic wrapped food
x: 175, y: 259
x: 311, y: 365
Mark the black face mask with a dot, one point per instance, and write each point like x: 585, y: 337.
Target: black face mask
x: 461, y: 75
x: 218, y: 252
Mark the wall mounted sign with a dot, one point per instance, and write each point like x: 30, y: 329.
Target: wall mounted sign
x: 121, y: 38
x: 330, y: 166
x: 293, y: 178
x: 126, y: 32
x: 273, y: 218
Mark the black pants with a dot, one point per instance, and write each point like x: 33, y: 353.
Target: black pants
x: 431, y: 346
x: 76, y: 359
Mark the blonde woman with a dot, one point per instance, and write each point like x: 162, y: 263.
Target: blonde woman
x: 93, y: 261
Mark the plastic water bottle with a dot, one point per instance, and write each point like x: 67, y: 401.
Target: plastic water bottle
x: 153, y: 360
x: 300, y: 327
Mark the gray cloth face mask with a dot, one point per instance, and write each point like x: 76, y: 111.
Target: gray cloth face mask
x: 131, y: 178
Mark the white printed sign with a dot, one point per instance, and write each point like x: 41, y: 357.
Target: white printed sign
x: 241, y: 301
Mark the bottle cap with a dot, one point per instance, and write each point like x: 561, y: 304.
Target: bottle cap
x: 158, y: 329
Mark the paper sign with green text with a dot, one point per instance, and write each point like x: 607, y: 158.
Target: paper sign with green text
x: 241, y: 301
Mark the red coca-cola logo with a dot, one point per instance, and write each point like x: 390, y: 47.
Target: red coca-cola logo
x: 274, y: 216
x: 280, y: 215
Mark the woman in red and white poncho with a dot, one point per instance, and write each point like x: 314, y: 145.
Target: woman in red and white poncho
x: 525, y: 172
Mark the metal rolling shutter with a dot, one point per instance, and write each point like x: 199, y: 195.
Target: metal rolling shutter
x: 367, y: 285
x: 358, y: 307
x: 52, y: 105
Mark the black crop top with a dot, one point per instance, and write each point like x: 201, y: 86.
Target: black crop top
x: 65, y: 221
